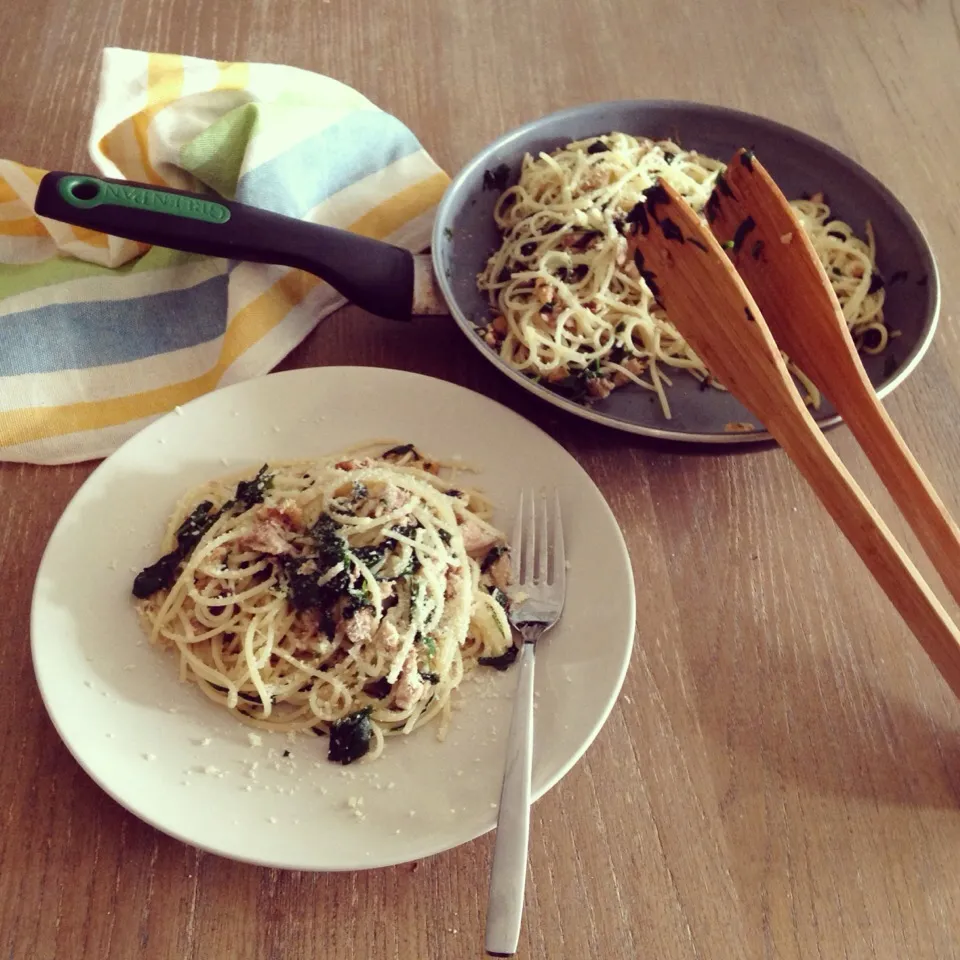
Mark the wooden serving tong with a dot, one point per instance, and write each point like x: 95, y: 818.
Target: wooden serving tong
x: 722, y: 307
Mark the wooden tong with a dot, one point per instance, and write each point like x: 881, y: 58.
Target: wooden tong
x: 721, y: 313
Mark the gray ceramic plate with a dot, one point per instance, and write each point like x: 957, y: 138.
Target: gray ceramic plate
x: 465, y: 235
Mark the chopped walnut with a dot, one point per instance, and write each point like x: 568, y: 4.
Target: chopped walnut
x: 635, y: 365
x: 600, y: 387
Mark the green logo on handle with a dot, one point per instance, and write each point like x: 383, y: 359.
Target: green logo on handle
x: 86, y: 192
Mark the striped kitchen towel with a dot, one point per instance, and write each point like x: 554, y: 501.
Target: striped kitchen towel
x: 100, y: 335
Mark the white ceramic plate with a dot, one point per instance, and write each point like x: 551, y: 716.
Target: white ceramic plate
x: 181, y: 763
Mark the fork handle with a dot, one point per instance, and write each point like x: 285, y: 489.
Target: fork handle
x: 509, y: 873
x: 871, y: 538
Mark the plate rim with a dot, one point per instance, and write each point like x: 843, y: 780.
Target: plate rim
x: 450, y: 204
x: 428, y: 850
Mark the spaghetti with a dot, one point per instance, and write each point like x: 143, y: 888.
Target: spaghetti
x: 572, y: 310
x: 347, y: 595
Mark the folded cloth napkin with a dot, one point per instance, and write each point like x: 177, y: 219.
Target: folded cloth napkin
x: 99, y: 335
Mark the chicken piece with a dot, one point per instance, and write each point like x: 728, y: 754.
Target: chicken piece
x: 393, y: 497
x: 600, y: 387
x: 265, y: 537
x: 360, y: 627
x: 635, y: 365
x: 409, y: 686
x: 544, y: 291
x: 452, y: 577
x: 387, y: 638
x: 477, y: 538
x: 355, y: 464
x: 286, y: 513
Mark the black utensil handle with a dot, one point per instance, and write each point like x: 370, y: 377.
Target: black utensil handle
x: 372, y: 274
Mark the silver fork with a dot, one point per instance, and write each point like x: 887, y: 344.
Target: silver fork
x: 539, y: 569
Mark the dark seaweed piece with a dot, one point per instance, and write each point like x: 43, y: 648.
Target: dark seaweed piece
x: 713, y: 206
x: 671, y: 231
x: 639, y: 215
x: 836, y: 234
x: 669, y: 157
x: 746, y: 158
x: 372, y: 555
x: 396, y: 453
x: 251, y: 492
x: 330, y: 545
x: 899, y: 276
x: 350, y: 737
x: 648, y: 277
x: 429, y: 676
x: 756, y: 249
x: 598, y: 146
x: 447, y: 233
x: 704, y: 383
x: 750, y: 316
x: 572, y: 387
x: 319, y: 731
x: 528, y: 248
x: 493, y: 555
x: 500, y: 597
x: 380, y: 689
x: 162, y: 574
x: 157, y: 576
x: 191, y: 531
x: 922, y: 282
x: 890, y: 365
x: 504, y: 661
x: 656, y: 196
x: 698, y: 244
x: 745, y: 227
x: 723, y: 186
x: 496, y: 179
x: 876, y: 282
x: 444, y: 535
x: 286, y: 753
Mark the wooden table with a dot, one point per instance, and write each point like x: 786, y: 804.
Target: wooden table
x: 781, y: 776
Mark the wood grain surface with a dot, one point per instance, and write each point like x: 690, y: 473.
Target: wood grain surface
x: 781, y: 777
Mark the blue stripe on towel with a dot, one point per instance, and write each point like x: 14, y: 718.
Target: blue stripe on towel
x: 355, y: 147
x: 95, y: 334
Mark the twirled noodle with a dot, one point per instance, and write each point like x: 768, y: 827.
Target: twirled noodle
x: 346, y: 595
x: 571, y: 309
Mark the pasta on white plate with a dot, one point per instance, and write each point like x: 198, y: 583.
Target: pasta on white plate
x: 569, y: 307
x: 346, y: 595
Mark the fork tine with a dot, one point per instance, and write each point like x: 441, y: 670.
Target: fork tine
x: 543, y: 535
x: 516, y: 542
x: 558, y: 572
x: 530, y: 539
